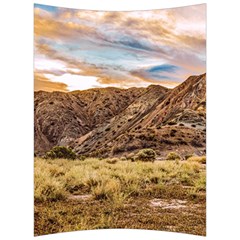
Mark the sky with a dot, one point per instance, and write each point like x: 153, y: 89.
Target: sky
x: 78, y: 49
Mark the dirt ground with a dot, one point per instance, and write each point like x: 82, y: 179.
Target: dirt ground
x: 81, y: 212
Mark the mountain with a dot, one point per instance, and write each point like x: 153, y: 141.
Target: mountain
x: 110, y: 121
x: 61, y: 117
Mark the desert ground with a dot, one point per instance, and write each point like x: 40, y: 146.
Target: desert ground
x: 166, y: 195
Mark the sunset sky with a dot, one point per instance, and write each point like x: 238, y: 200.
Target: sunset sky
x: 78, y: 49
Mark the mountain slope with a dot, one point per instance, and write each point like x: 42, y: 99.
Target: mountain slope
x: 190, y: 95
x: 171, y: 120
x: 101, y: 139
x: 61, y: 117
x: 108, y: 122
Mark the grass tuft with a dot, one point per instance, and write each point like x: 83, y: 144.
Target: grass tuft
x: 201, y: 159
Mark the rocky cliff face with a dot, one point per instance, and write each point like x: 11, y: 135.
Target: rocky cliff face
x: 108, y: 122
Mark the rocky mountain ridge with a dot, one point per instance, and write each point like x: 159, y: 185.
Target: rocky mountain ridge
x: 113, y: 122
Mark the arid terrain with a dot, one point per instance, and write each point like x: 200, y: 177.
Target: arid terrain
x: 121, y: 158
x: 120, y: 119
x: 114, y: 122
x: 97, y: 194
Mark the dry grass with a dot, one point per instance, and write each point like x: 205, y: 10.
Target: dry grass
x: 201, y: 159
x: 101, y: 178
x: 47, y: 185
x: 114, y: 187
x: 173, y: 156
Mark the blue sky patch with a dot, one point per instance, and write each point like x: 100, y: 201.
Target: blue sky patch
x: 46, y: 7
x: 163, y: 68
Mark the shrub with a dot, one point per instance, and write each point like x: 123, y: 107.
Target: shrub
x: 123, y: 158
x: 117, y: 149
x: 106, y: 189
x: 61, y: 152
x: 146, y: 155
x: 49, y: 190
x: 177, y: 161
x: 200, y: 183
x: 173, y: 156
x: 82, y: 157
x: 112, y: 160
x: 47, y: 187
x: 187, y: 156
x: 200, y: 159
x: 130, y: 156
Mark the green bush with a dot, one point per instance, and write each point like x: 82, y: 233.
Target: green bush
x: 146, y: 155
x: 173, y: 156
x: 61, y: 152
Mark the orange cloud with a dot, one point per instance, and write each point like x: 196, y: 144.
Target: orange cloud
x: 175, y: 36
x: 46, y: 26
x: 43, y: 83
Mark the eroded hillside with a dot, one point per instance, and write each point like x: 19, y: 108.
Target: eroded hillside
x: 111, y: 121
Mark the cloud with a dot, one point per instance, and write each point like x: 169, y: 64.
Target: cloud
x: 133, y: 43
x: 43, y: 83
x: 163, y: 68
x: 49, y: 27
x: 119, y: 48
